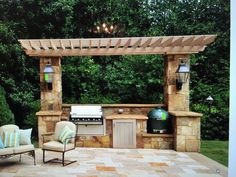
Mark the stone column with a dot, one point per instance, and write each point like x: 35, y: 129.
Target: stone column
x: 187, y: 131
x: 51, y: 99
x: 175, y: 100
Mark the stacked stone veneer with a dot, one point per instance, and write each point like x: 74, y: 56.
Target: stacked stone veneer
x: 186, y: 131
x: 144, y: 140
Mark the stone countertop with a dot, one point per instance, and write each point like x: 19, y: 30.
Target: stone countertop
x: 126, y: 116
x: 119, y: 105
x: 49, y: 113
x: 185, y: 114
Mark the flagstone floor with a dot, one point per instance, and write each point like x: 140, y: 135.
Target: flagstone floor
x: 101, y: 162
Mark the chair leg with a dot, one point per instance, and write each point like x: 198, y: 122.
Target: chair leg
x: 33, y: 154
x: 43, y: 156
x: 63, y: 158
x: 20, y: 158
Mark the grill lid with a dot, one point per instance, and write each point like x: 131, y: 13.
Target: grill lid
x: 158, y: 113
x: 86, y: 111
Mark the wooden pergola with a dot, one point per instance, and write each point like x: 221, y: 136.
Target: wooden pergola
x: 116, y: 46
x: 173, y: 48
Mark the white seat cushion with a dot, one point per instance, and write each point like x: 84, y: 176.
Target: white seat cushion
x: 57, y: 146
x: 6, y: 151
x: 23, y: 148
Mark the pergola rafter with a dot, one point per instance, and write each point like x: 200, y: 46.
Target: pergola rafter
x: 116, y: 46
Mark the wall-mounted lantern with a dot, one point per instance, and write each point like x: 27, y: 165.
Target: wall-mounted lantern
x: 182, y: 74
x: 48, y: 75
x: 209, y: 100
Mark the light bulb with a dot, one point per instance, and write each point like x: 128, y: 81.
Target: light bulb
x: 103, y: 25
x: 106, y: 29
x: 111, y: 27
x: 98, y: 28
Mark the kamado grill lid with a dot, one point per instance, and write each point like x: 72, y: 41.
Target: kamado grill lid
x: 158, y: 113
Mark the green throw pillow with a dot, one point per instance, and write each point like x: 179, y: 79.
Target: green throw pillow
x: 11, y: 139
x: 25, y: 136
x: 66, y: 133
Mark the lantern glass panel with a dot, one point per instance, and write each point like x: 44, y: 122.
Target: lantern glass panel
x: 48, y: 77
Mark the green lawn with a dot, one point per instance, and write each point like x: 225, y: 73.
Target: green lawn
x: 216, y: 150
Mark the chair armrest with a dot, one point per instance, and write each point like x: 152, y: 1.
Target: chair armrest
x: 70, y: 138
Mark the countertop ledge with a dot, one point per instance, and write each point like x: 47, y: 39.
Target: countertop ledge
x: 126, y: 116
x: 49, y: 113
x: 185, y: 114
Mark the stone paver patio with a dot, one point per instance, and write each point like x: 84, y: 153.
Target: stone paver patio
x: 101, y: 162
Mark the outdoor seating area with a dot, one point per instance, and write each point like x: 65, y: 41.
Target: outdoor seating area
x: 99, y: 162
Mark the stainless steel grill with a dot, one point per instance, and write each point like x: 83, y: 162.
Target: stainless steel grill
x: 86, y: 115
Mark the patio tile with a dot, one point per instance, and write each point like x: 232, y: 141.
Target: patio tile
x: 156, y: 164
x: 106, y: 162
x: 105, y: 168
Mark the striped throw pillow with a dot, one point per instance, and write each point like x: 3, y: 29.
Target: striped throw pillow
x: 11, y: 139
x: 66, y: 133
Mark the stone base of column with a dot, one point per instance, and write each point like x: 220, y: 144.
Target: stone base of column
x: 46, y: 123
x: 186, y: 131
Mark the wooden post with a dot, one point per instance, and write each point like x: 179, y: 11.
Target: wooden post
x: 175, y: 100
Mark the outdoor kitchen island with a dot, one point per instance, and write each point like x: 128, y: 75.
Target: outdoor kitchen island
x: 125, y: 127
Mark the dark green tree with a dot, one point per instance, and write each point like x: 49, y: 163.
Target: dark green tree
x: 6, y: 116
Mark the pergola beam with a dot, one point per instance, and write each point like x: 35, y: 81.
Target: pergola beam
x: 117, y: 46
x: 114, y: 51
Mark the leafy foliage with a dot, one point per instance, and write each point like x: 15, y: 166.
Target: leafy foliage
x: 117, y: 79
x: 6, y: 116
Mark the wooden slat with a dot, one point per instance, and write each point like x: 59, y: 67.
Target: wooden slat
x: 166, y: 41
x: 71, y: 44
x: 198, y: 40
x: 80, y: 44
x: 147, y: 42
x: 32, y: 45
x: 157, y: 42
x: 118, y: 43
x: 53, y: 45
x: 209, y: 39
x: 137, y: 43
x: 25, y: 44
x: 99, y: 43
x: 62, y: 46
x: 127, y: 43
x: 108, y: 43
x: 177, y: 41
x: 187, y: 41
x: 43, y: 45
x: 90, y: 43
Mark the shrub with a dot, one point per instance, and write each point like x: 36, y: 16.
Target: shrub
x: 6, y: 116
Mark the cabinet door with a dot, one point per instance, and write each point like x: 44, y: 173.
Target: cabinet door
x: 124, y: 133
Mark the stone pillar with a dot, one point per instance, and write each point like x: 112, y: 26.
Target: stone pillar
x: 175, y: 100
x: 51, y: 99
x: 46, y: 123
x: 186, y: 131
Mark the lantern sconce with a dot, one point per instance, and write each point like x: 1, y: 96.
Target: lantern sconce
x: 48, y: 75
x: 182, y: 74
